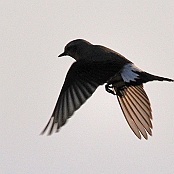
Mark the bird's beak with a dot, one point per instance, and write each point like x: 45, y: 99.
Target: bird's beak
x: 63, y: 54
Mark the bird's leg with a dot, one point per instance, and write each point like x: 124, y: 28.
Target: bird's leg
x: 109, y: 89
x: 116, y: 86
x: 115, y: 91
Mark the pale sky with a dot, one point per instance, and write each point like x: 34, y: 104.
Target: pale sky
x: 97, y: 139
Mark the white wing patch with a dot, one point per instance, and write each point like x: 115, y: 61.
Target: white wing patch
x: 128, y: 74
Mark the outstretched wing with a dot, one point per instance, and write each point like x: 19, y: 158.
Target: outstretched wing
x: 137, y: 110
x: 75, y: 91
x: 81, y: 81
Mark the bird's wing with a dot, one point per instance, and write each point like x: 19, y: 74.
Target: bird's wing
x: 137, y: 110
x: 81, y: 81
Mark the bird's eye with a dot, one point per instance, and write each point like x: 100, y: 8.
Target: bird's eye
x: 68, y: 48
x: 71, y: 48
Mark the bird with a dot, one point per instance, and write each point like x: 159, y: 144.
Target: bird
x: 97, y: 65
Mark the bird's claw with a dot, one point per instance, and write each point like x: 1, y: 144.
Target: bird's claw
x: 109, y: 89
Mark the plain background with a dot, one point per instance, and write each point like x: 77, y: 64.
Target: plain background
x: 97, y: 140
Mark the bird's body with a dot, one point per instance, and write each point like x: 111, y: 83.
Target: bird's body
x: 97, y: 65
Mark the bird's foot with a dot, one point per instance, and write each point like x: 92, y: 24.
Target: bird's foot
x: 109, y: 89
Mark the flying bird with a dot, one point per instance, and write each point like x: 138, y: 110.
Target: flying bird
x: 97, y: 65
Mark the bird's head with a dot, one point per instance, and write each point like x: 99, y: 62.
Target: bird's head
x: 75, y: 48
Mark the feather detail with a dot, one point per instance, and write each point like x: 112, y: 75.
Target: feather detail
x: 137, y: 110
x: 128, y: 72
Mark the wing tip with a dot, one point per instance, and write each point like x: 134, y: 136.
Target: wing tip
x: 51, y: 130
x: 145, y: 136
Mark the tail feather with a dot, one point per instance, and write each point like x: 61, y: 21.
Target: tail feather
x: 163, y: 79
x: 149, y: 77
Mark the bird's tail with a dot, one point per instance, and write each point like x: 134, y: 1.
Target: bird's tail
x: 162, y: 78
x: 149, y: 77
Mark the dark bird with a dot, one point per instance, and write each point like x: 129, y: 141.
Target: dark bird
x: 97, y: 65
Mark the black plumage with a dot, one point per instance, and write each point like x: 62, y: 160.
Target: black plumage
x: 97, y: 65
